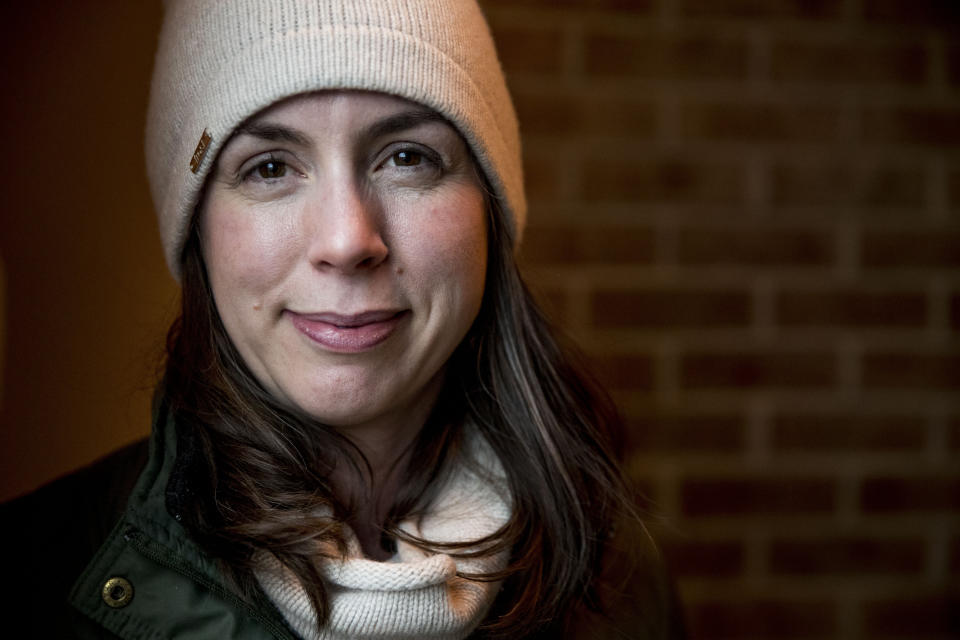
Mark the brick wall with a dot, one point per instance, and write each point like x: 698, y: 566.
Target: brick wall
x: 746, y: 213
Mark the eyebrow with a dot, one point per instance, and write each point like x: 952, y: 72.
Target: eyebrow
x: 403, y: 121
x: 273, y: 133
x: 392, y: 124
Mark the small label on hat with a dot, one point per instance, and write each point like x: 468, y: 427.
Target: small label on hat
x: 200, y: 151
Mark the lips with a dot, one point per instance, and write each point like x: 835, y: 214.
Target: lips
x: 348, y: 333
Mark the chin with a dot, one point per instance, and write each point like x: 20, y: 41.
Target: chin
x: 339, y: 409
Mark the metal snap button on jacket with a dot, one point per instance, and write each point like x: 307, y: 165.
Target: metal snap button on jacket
x: 117, y: 592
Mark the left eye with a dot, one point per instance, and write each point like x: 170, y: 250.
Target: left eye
x: 271, y: 169
x: 407, y: 158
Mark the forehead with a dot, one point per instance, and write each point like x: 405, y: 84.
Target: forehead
x: 370, y: 101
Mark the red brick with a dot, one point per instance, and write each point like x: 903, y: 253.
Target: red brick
x: 741, y: 121
x: 763, y: 618
x: 704, y: 558
x: 665, y: 180
x: 937, y: 13
x: 624, y: 373
x: 672, y: 58
x: 851, y: 308
x: 915, y: 493
x: 583, y: 114
x: 854, y: 432
x: 645, y: 492
x: 588, y: 245
x: 845, y: 184
x: 857, y: 555
x: 756, y: 495
x: 552, y: 302
x: 929, y: 126
x: 755, y: 247
x: 953, y: 189
x: 904, y: 248
x: 696, y: 433
x: 955, y: 555
x: 916, y: 371
x: 953, y: 63
x: 849, y: 62
x: 542, y: 176
x: 668, y: 309
x: 525, y: 50
x: 934, y: 616
x: 757, y: 370
x: 804, y: 9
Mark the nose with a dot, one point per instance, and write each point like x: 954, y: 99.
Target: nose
x: 346, y: 230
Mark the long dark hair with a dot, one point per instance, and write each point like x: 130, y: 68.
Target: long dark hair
x: 260, y: 475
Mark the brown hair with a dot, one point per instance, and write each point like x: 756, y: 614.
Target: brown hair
x: 260, y: 475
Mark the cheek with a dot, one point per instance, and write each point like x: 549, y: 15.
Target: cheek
x: 241, y: 251
x: 452, y: 240
x: 469, y: 243
x: 469, y: 257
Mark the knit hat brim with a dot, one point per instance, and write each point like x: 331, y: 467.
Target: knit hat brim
x: 448, y: 65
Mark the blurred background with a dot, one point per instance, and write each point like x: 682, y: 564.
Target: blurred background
x: 744, y: 211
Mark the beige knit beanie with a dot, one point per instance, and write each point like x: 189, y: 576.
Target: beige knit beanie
x: 221, y: 61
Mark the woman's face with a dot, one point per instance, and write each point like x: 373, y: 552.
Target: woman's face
x: 345, y: 238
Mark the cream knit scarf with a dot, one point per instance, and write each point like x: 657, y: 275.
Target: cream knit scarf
x: 414, y: 594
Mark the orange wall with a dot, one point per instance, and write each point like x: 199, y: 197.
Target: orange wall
x: 87, y: 295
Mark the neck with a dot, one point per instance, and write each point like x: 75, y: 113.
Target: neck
x: 387, y: 446
x: 372, y: 501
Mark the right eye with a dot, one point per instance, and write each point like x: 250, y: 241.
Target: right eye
x: 407, y: 158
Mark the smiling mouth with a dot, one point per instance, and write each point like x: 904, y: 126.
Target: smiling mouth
x: 348, y: 333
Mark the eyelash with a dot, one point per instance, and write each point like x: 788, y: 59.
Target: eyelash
x: 252, y: 172
x: 425, y: 160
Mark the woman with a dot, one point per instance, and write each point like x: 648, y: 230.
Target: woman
x: 365, y: 428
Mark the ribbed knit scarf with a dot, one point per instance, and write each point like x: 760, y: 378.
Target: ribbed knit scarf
x: 414, y: 594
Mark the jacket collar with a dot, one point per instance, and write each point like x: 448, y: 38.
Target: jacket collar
x: 150, y: 580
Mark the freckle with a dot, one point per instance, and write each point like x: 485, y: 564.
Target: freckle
x: 399, y: 271
x: 257, y: 307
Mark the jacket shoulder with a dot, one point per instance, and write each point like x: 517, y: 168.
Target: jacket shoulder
x: 50, y: 534
x: 87, y: 501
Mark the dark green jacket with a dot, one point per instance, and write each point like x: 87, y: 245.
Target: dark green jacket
x: 141, y: 576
